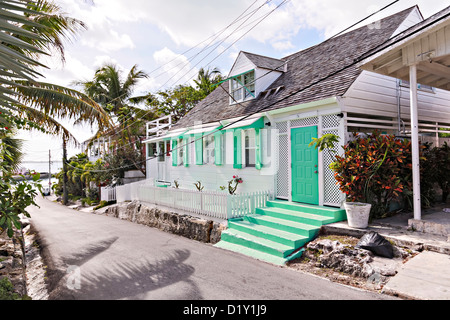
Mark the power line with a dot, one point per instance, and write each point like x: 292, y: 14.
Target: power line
x: 114, y: 132
x: 356, y: 61
x: 215, y: 36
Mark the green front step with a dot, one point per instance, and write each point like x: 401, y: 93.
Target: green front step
x: 337, y: 213
x: 257, y: 243
x: 302, y: 229
x: 277, y: 232
x: 297, y: 216
x: 276, y: 235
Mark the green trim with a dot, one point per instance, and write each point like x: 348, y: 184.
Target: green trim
x: 237, y: 156
x: 258, y: 153
x: 218, y: 151
x: 186, y: 152
x: 174, y: 153
x: 232, y: 77
x: 198, y: 149
x: 258, y: 124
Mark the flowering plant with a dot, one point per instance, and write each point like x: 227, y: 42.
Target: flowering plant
x: 232, y: 189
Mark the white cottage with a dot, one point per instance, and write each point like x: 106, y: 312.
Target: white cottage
x: 253, y: 124
x: 259, y: 122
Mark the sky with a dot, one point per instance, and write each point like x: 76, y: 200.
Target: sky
x: 172, y: 39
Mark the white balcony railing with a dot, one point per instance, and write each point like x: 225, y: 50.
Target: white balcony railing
x: 217, y: 204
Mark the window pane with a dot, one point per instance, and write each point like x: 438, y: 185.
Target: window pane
x: 237, y: 95
x: 249, y: 157
x: 249, y: 78
x: 180, y: 152
x: 250, y: 139
x: 161, y: 152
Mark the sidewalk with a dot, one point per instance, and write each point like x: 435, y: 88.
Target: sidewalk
x: 427, y: 275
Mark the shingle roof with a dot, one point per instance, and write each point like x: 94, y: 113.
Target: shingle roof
x: 265, y: 62
x: 303, y: 69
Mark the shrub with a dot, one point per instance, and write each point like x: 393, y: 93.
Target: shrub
x: 437, y: 168
x: 375, y: 169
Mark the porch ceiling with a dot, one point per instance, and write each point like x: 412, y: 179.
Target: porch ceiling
x: 427, y: 46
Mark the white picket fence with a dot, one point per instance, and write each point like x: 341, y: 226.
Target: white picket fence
x: 217, y: 204
x: 107, y: 194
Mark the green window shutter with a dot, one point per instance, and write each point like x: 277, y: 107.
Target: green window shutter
x: 186, y: 152
x: 174, y: 153
x: 218, y: 151
x: 237, y: 143
x: 198, y: 149
x: 258, y: 153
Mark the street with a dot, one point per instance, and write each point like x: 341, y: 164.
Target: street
x: 97, y: 257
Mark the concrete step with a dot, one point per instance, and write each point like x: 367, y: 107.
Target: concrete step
x: 257, y: 243
x: 276, y: 235
x: 334, y: 212
x: 256, y: 254
x: 303, y: 229
x: 297, y: 216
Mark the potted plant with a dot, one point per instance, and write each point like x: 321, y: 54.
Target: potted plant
x: 370, y: 173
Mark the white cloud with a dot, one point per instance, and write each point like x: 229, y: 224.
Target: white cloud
x: 175, y: 68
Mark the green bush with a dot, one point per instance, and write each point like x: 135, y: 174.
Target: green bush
x: 7, y: 291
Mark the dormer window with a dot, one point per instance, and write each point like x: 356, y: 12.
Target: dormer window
x: 242, y: 86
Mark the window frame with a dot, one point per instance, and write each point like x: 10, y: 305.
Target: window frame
x: 247, y: 149
x: 241, y: 88
x: 208, y: 149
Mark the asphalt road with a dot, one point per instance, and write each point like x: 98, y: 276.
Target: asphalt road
x: 95, y: 257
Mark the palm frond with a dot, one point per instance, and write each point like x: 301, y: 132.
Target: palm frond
x: 62, y: 102
x: 52, y: 126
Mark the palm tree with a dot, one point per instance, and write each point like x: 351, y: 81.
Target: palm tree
x: 114, y: 92
x: 207, y: 79
x: 109, y: 89
x: 39, y: 28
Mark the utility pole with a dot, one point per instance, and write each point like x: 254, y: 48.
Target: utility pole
x: 65, y: 180
x: 49, y: 172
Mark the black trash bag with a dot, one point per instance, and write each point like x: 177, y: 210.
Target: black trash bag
x: 375, y: 243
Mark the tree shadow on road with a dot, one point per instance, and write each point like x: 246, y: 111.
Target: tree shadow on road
x: 133, y: 280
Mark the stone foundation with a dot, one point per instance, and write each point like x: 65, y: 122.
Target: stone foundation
x: 183, y: 225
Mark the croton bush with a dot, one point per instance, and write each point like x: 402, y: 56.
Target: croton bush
x: 377, y: 169
x: 374, y: 169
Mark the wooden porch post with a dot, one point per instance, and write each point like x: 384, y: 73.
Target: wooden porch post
x: 415, y: 141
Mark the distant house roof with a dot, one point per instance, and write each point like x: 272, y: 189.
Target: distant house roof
x: 303, y: 69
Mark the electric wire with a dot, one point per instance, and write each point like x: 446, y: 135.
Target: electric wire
x: 373, y: 50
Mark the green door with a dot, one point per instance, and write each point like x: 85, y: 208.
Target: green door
x: 305, y: 178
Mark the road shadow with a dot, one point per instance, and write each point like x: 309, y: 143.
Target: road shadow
x: 129, y: 280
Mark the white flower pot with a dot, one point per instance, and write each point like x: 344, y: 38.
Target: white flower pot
x: 357, y: 214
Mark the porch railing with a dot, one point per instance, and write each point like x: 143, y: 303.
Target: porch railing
x: 209, y: 203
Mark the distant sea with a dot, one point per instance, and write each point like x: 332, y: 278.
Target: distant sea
x: 41, y: 166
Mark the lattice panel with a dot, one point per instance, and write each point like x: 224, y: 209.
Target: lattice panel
x: 330, y: 121
x: 332, y: 194
x: 282, y: 127
x: 312, y: 121
x: 283, y: 166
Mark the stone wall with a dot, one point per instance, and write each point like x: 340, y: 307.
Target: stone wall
x: 184, y: 225
x: 12, y: 262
